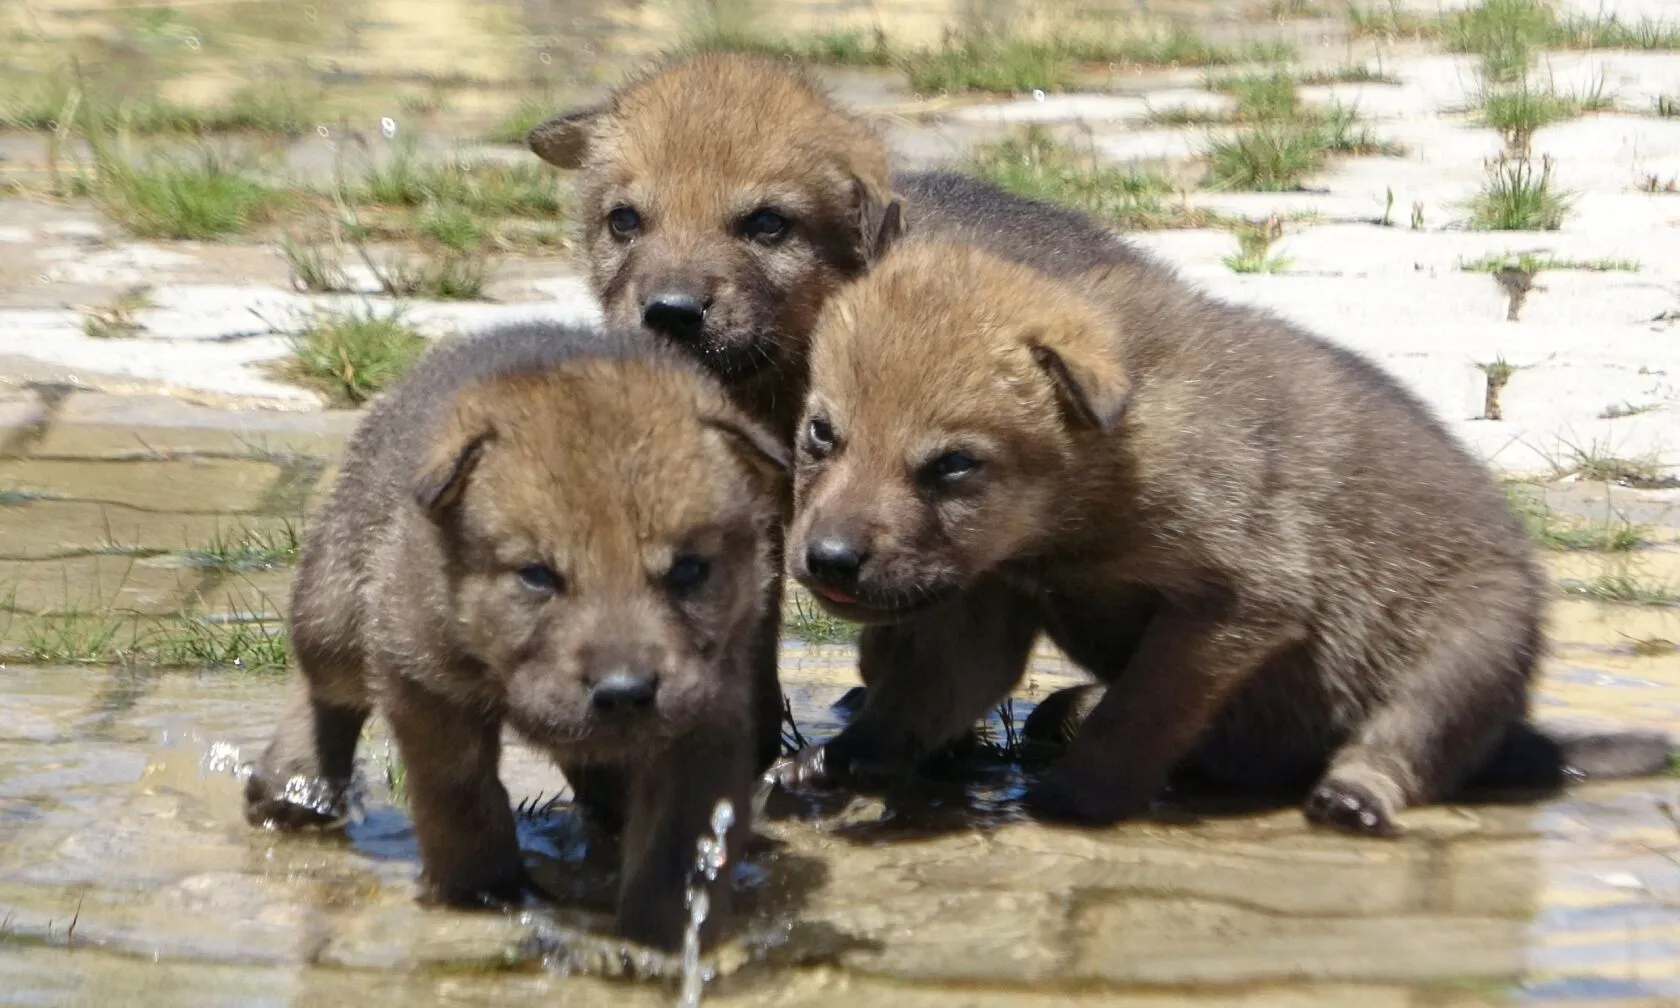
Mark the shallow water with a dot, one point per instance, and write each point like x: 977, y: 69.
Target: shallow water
x: 128, y: 876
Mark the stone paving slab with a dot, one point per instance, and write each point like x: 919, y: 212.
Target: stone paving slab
x: 249, y: 592
x: 147, y: 412
x: 1140, y: 941
x: 94, y: 584
x: 189, y: 486
x: 1292, y: 875
x: 109, y: 442
x: 48, y: 528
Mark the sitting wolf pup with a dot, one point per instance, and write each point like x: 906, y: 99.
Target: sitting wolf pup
x: 565, y: 530
x: 1340, y: 599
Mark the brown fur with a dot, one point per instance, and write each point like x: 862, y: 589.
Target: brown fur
x: 502, y: 543
x: 695, y: 150
x: 696, y: 145
x: 1282, y: 567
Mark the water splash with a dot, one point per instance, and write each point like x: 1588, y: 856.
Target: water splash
x: 768, y: 784
x: 223, y: 758
x: 711, y: 855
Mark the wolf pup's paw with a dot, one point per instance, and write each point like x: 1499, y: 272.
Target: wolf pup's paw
x: 856, y: 756
x: 1059, y: 797
x: 298, y: 802
x: 807, y: 768
x: 497, y: 894
x: 1352, y: 807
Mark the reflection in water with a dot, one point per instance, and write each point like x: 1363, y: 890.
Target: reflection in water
x: 147, y: 839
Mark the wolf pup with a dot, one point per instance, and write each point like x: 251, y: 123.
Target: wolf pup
x: 563, y: 530
x: 1285, y: 570
x: 724, y: 198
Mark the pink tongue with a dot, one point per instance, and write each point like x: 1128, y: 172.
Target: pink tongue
x: 837, y: 596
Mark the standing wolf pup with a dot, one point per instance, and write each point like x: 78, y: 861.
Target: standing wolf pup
x: 1340, y: 596
x: 724, y: 198
x: 565, y: 530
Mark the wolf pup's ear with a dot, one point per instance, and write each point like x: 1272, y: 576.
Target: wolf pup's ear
x: 440, y: 480
x: 756, y: 446
x: 880, y: 222
x: 563, y: 140
x: 1082, y: 358
x: 888, y: 231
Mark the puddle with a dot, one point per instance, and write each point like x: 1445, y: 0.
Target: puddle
x: 127, y: 874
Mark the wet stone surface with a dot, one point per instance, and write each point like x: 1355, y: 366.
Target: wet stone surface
x: 127, y: 874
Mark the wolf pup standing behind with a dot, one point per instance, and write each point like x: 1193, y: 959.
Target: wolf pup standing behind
x: 1338, y: 596
x: 724, y: 198
x: 560, y: 529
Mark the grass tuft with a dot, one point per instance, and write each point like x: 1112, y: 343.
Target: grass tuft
x: 1625, y: 588
x: 1286, y: 142
x: 804, y: 619
x: 1617, y: 411
x: 250, y: 549
x: 1035, y: 164
x: 836, y: 48
x: 1515, y: 198
x: 483, y: 188
x: 1254, y: 244
x: 314, y: 265
x: 1271, y: 157
x: 1530, y: 262
x: 351, y: 355
x: 116, y: 319
x: 181, y: 641
x: 997, y: 63
x: 1390, y: 21
x: 1507, y: 32
x: 206, y: 197
x: 197, y: 641
x: 1597, y: 462
x: 273, y: 106
x: 1555, y: 531
x: 517, y: 125
x: 1261, y: 96
x: 1519, y: 112
x: 1353, y: 73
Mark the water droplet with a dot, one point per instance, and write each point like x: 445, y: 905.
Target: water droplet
x: 1038, y: 94
x: 388, y: 126
x: 723, y: 817
x: 545, y: 58
x: 323, y: 131
x: 711, y: 853
x: 193, y: 43
x: 309, y: 13
x: 223, y: 757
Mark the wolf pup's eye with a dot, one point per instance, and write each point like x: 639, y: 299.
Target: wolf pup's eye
x: 764, y: 225
x: 539, y: 579
x: 624, y: 221
x: 687, y: 574
x: 951, y: 466
x: 819, y: 436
